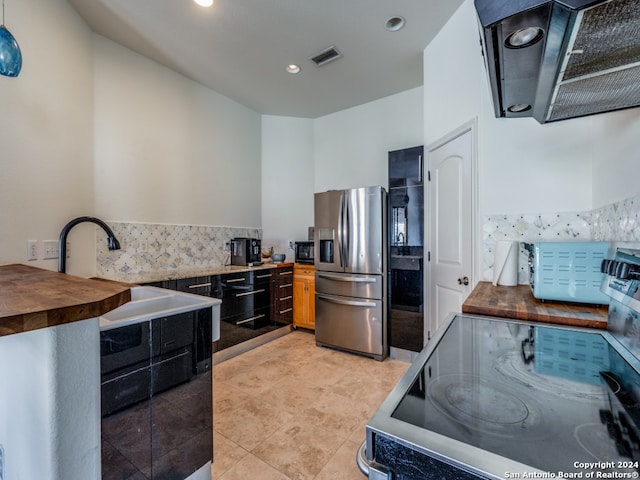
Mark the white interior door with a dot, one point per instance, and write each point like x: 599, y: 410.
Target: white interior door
x: 450, y: 223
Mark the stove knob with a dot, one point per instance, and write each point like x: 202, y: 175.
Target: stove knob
x: 622, y: 270
x: 605, y: 266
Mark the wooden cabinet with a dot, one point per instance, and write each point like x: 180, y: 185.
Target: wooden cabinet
x: 304, y: 286
x: 282, y: 295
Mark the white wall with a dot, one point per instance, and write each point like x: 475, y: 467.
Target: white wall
x: 351, y: 146
x: 167, y: 149
x: 616, y: 162
x: 46, y: 133
x: 50, y: 402
x: 287, y: 180
x: 524, y: 167
x: 343, y: 150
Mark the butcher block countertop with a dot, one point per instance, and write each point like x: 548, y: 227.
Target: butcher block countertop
x: 32, y: 298
x: 518, y: 302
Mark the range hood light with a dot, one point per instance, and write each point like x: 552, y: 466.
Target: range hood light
x: 524, y: 37
x: 519, y: 107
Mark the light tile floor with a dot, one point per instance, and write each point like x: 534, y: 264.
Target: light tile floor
x: 291, y: 410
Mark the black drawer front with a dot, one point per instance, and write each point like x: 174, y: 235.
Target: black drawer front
x: 172, y: 370
x: 125, y: 346
x: 254, y: 319
x: 175, y: 331
x: 236, y: 279
x: 239, y: 302
x: 262, y: 277
x: 195, y: 285
x: 125, y: 390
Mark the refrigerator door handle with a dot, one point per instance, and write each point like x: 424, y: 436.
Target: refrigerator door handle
x: 347, y: 231
x: 341, y: 278
x: 341, y: 230
x: 352, y: 303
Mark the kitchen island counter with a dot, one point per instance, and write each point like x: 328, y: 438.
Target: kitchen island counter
x: 519, y: 303
x: 32, y: 298
x: 50, y: 371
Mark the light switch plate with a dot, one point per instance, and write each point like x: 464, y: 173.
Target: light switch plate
x: 32, y: 249
x: 49, y: 249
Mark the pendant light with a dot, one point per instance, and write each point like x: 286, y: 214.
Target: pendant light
x: 10, y: 56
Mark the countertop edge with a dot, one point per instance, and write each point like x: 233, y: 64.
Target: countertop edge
x: 520, y: 304
x: 32, y: 298
x: 158, y: 276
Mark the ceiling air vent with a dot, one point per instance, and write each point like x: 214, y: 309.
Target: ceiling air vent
x: 326, y: 56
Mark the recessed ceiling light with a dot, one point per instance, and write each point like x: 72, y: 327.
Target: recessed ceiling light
x: 204, y: 3
x: 293, y: 68
x: 394, y: 24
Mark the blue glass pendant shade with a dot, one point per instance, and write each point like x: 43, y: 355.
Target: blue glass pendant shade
x: 10, y: 56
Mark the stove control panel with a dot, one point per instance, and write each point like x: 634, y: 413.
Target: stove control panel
x: 622, y: 284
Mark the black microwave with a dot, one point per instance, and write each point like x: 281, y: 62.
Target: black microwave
x: 304, y: 252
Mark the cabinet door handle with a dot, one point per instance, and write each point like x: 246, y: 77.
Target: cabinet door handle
x: 235, y: 280
x: 285, y: 273
x: 346, y: 302
x: 286, y: 298
x: 264, y: 276
x: 348, y: 279
x: 200, y: 285
x: 250, y: 319
x: 286, y: 311
x: 286, y: 285
x: 249, y: 293
x: 420, y: 168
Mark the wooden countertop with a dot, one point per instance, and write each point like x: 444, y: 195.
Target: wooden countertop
x: 518, y: 302
x: 32, y: 298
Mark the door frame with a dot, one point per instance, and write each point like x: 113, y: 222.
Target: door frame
x: 476, y: 226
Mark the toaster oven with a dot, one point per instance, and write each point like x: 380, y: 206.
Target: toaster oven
x: 567, y: 271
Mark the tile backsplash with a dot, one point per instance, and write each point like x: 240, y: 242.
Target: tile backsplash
x: 167, y: 250
x: 618, y: 222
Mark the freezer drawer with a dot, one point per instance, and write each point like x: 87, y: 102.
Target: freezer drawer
x: 350, y: 284
x: 355, y: 324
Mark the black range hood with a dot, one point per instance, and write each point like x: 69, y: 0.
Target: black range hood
x: 560, y: 59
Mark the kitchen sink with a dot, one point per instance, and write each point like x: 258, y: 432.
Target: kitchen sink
x: 154, y: 302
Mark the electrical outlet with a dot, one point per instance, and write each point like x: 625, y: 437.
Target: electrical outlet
x: 49, y: 249
x: 32, y: 249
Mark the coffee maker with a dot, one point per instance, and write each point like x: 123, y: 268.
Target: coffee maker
x: 245, y: 251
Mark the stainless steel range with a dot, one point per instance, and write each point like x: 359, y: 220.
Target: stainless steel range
x: 494, y: 398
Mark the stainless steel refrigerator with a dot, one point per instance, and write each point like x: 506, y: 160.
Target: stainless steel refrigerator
x: 351, y: 270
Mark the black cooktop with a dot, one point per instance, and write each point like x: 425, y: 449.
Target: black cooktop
x: 553, y: 398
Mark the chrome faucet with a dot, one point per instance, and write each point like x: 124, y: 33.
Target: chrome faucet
x: 62, y: 242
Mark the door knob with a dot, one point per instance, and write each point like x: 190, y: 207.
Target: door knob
x: 463, y: 281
